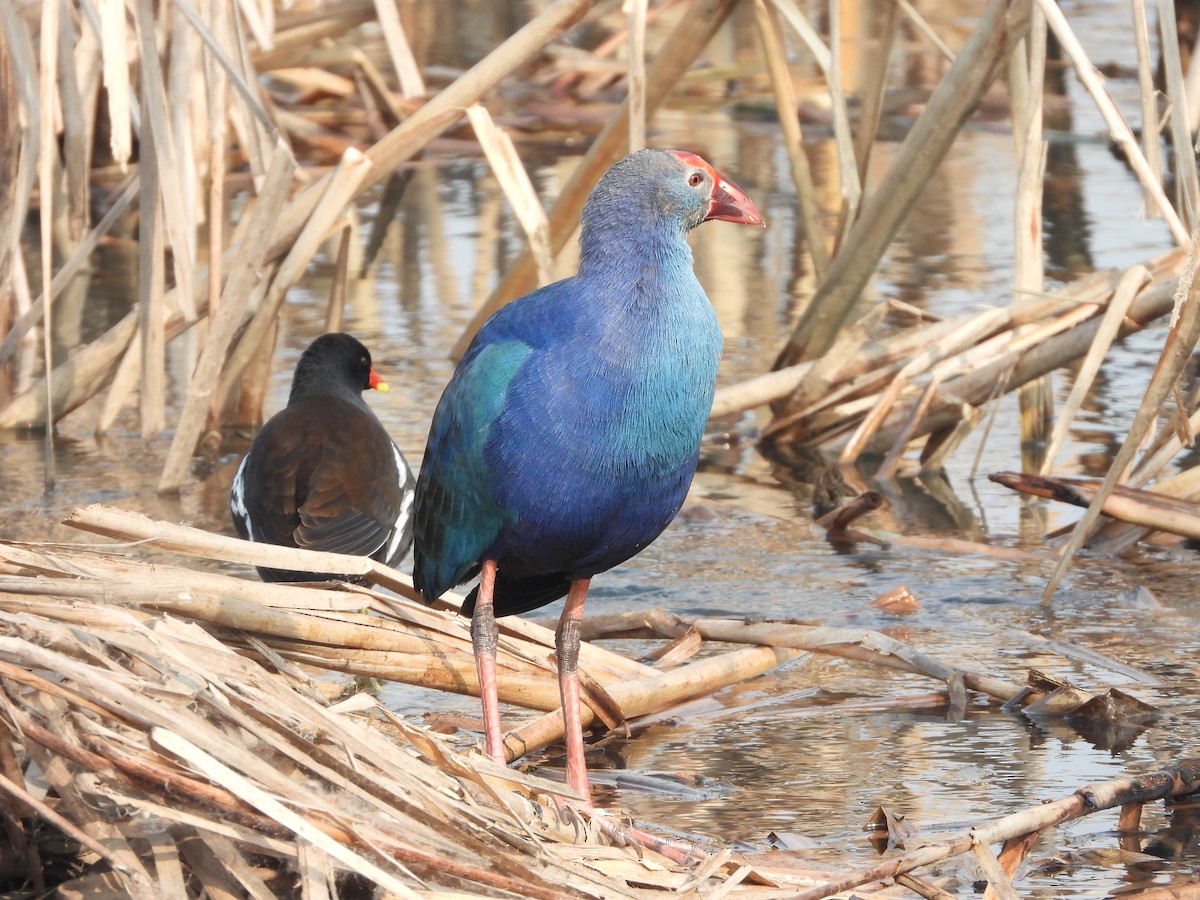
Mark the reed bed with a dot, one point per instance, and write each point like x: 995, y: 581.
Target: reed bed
x: 170, y: 723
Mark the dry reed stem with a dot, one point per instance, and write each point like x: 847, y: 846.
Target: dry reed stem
x: 848, y: 170
x: 518, y: 189
x: 654, y: 694
x: 47, y: 153
x: 148, y: 353
x: 1027, y: 82
x: 871, y: 101
x: 412, y: 83
x: 1132, y: 281
x: 244, y: 788
x: 156, y: 138
x: 769, y: 33
x: 636, y: 13
x: 80, y: 256
x: 243, y: 271
x: 1146, y: 508
x: 924, y: 27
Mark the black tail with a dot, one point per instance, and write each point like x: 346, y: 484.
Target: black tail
x: 519, y: 595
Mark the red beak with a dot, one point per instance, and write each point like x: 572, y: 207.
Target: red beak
x: 374, y: 381
x: 729, y: 203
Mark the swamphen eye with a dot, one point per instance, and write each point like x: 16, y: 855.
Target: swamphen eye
x: 696, y: 179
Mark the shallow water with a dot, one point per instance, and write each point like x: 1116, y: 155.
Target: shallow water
x: 786, y: 753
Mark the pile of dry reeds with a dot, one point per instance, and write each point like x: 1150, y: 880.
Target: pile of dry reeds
x: 165, y: 722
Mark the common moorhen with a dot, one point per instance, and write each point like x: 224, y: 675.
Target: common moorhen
x: 323, y: 474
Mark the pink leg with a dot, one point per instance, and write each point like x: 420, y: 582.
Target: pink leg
x: 566, y: 642
x: 484, y: 636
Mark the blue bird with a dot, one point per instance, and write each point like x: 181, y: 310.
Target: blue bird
x: 569, y: 433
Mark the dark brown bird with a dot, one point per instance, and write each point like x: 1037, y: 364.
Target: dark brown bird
x: 323, y: 473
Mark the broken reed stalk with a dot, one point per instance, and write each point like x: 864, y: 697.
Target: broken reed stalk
x: 1146, y: 508
x: 1176, y: 780
x: 843, y: 137
x: 1187, y: 182
x: 47, y: 152
x: 506, y: 165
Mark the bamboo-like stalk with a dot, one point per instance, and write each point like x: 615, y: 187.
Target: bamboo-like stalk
x: 643, y: 697
x: 155, y: 170
x: 769, y: 33
x: 1027, y: 78
x: 156, y: 128
x: 46, y: 154
x: 518, y: 189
